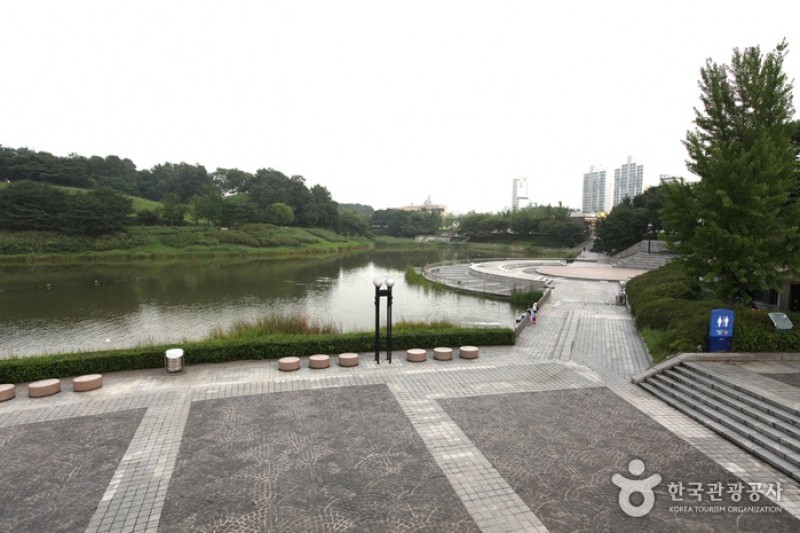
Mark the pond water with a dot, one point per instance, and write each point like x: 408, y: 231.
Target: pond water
x: 67, y: 308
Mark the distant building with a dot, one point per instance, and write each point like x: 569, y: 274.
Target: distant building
x: 594, y: 191
x: 427, y: 206
x: 666, y: 178
x: 628, y: 181
x: 519, y: 194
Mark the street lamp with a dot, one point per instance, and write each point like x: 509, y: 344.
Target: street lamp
x: 379, y: 282
x: 650, y: 235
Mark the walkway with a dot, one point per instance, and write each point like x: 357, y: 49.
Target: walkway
x: 525, y: 438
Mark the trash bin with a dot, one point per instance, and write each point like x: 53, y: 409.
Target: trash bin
x: 173, y: 360
x: 621, y: 297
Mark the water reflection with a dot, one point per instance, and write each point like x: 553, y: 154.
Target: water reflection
x: 47, y: 309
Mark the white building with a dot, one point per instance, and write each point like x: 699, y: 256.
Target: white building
x: 667, y: 178
x: 594, y: 191
x: 519, y: 194
x: 628, y: 181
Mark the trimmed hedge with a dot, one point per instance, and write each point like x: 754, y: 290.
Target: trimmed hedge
x: 669, y: 281
x: 669, y: 308
x: 26, y: 369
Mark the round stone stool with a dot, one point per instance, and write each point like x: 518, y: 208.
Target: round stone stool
x: 348, y: 359
x: 319, y: 361
x: 468, y: 352
x: 87, y: 383
x: 7, y: 391
x: 287, y: 364
x: 416, y: 355
x: 442, y: 354
x: 45, y: 387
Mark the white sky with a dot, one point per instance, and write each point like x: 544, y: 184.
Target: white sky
x: 383, y: 103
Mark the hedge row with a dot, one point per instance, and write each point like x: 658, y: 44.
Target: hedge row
x: 22, y: 370
x: 669, y: 302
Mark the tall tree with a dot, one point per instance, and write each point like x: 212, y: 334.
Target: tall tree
x: 326, y: 209
x: 98, y: 211
x: 172, y: 210
x: 207, y: 206
x: 623, y: 227
x: 738, y: 228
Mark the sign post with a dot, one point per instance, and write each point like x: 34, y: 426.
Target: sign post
x: 720, y: 330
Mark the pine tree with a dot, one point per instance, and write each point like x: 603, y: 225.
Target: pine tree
x: 737, y: 229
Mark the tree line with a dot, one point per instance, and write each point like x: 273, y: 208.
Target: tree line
x: 548, y: 224
x: 226, y: 197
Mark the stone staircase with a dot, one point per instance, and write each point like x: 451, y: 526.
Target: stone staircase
x: 768, y: 429
x: 646, y: 255
x: 643, y: 260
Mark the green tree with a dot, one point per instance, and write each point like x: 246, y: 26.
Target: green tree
x: 737, y: 228
x: 172, y: 210
x: 352, y: 224
x: 482, y: 225
x: 27, y: 205
x: 236, y: 210
x: 279, y: 214
x: 326, y: 209
x: 231, y: 180
x: 623, y: 227
x: 207, y: 206
x: 562, y: 232
x: 98, y: 212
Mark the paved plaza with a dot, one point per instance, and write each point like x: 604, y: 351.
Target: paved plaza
x: 540, y: 436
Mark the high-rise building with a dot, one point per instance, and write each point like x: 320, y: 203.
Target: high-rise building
x: 519, y: 194
x: 628, y: 180
x: 594, y: 191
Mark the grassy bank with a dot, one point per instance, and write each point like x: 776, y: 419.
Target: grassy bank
x: 672, y: 313
x: 160, y: 242
x: 268, y: 339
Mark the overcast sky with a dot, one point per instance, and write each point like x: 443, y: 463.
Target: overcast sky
x: 383, y: 103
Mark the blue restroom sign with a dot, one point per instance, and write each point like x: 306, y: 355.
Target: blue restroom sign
x: 721, y: 323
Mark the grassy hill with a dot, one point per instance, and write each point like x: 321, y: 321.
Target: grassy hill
x: 139, y: 203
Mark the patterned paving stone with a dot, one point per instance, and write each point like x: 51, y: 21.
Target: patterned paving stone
x: 52, y: 474
x: 324, y: 460
x: 560, y: 449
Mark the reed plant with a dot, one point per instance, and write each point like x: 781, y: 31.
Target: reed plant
x: 525, y: 298
x: 274, y: 324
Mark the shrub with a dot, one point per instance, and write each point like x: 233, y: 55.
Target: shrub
x: 669, y: 281
x: 525, y: 298
x: 237, y: 237
x: 664, y: 313
x: 217, y: 351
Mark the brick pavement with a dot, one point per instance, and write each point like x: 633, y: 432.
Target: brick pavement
x: 582, y: 342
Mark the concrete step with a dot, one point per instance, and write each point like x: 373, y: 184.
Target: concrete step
x: 771, y: 405
x: 745, y: 422
x: 734, y: 400
x: 791, y: 467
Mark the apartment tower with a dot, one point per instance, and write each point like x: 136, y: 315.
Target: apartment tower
x: 628, y: 180
x: 594, y: 191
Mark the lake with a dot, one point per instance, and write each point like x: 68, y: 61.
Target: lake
x: 67, y: 308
